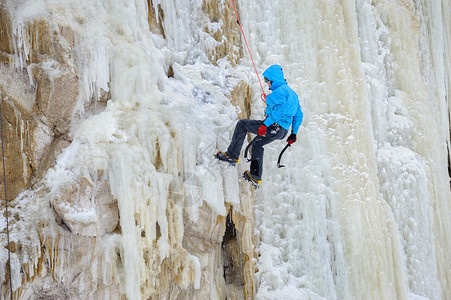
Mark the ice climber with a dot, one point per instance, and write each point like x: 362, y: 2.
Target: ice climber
x: 282, y: 111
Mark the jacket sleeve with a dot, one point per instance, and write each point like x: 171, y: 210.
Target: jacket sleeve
x: 278, y: 109
x: 297, y: 120
x: 267, y: 111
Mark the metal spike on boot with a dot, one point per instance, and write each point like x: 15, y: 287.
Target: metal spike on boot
x: 249, y: 177
x: 224, y: 157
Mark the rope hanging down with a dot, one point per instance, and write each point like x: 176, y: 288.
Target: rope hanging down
x: 6, y: 205
x: 263, y: 96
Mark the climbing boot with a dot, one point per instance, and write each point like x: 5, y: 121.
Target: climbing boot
x: 224, y: 157
x: 252, y: 178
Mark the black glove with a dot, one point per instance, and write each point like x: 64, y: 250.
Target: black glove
x: 291, y: 139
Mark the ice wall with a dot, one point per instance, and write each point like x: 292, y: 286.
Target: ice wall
x: 150, y: 111
x: 135, y: 205
x: 367, y: 203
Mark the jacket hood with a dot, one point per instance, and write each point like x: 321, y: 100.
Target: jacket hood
x: 275, y: 74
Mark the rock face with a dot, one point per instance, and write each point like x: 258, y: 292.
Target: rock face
x: 66, y: 243
x: 39, y: 92
x: 38, y: 99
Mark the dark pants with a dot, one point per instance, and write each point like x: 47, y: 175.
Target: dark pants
x: 241, y: 129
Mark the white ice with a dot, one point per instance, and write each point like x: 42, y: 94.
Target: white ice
x: 361, y: 208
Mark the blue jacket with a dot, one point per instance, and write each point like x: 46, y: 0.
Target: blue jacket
x: 282, y: 105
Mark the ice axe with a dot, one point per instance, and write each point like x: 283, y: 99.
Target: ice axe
x: 280, y: 156
x: 257, y: 138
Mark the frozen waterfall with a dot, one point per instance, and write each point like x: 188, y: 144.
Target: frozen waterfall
x: 133, y: 204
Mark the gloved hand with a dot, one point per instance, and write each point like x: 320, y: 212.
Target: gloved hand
x: 262, y: 130
x: 291, y: 139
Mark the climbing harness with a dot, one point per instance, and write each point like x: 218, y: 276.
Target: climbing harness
x: 263, y: 96
x: 6, y: 205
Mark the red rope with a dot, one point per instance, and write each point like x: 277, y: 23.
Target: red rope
x: 263, y: 96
